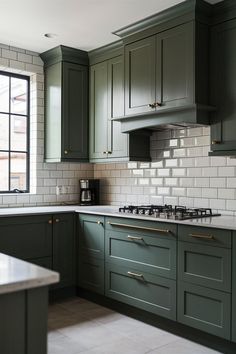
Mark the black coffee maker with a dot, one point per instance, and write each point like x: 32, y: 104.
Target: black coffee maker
x: 89, y: 191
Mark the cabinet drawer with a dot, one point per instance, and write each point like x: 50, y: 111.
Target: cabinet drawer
x: 143, y: 290
x: 91, y: 274
x: 205, y: 309
x: 205, y: 265
x: 91, y: 235
x: 205, y: 235
x: 149, y: 254
x: 141, y: 227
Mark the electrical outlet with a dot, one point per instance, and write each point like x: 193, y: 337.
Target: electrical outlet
x: 58, y: 190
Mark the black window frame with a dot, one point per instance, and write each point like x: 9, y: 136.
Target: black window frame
x: 27, y: 152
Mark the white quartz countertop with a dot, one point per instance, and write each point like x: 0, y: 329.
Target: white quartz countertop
x: 16, y: 275
x: 222, y: 222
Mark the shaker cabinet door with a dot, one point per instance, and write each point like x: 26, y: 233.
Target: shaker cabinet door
x: 75, y: 111
x: 98, y: 111
x: 140, y: 76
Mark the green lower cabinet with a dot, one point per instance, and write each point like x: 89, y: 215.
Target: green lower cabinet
x: 205, y: 309
x: 205, y: 265
x: 234, y: 288
x: 91, y: 274
x: 26, y: 237
x: 64, y: 249
x: 45, y: 262
x: 146, y: 253
x: 143, y: 290
x: 91, y: 235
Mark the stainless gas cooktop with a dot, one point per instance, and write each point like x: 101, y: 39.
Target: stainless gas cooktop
x: 168, y: 211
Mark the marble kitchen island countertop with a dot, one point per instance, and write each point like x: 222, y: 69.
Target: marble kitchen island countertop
x: 16, y: 275
x: 222, y: 222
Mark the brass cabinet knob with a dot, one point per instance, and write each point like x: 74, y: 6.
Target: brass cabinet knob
x: 99, y: 222
x: 109, y: 152
x: 152, y: 105
x: 215, y: 142
x: 104, y: 152
x: 50, y: 221
x: 158, y: 104
x: 57, y: 220
x: 65, y: 152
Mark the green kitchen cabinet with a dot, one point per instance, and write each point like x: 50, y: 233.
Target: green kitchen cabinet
x: 140, y: 289
x: 166, y: 78
x: 234, y: 288
x: 26, y: 237
x: 90, y: 264
x: 203, y: 308
x: 46, y: 240
x: 155, y: 81
x: 107, y: 142
x: 64, y: 249
x: 66, y: 104
x: 223, y: 89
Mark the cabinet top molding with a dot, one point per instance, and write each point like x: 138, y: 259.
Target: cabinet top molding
x: 63, y: 53
x: 188, y: 10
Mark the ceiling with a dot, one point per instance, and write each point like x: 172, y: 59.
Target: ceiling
x: 84, y: 24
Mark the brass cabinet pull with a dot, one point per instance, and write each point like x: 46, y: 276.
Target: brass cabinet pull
x: 50, y: 221
x: 65, y: 152
x: 138, y: 227
x: 57, y: 220
x: 99, y: 223
x: 134, y: 238
x: 137, y: 275
x: 104, y: 152
x: 109, y: 152
x: 158, y: 104
x: 207, y: 237
x: 215, y: 142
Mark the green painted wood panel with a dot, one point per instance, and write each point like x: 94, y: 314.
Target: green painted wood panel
x: 205, y: 309
x: 149, y: 254
x: 13, y: 323
x: 91, y: 235
x: 234, y: 288
x: 205, y: 265
x: 26, y: 237
x: 146, y: 291
x: 91, y: 273
x: 98, y: 138
x: 141, y: 227
x: 200, y: 235
x: 117, y: 141
x: 45, y: 262
x: 223, y: 89
x: 37, y: 320
x: 175, y: 66
x: 140, y: 67
x: 64, y: 249
x: 74, y: 111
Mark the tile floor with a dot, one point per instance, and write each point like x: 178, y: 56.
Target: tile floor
x: 79, y: 326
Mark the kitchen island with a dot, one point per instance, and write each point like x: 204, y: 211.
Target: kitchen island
x: 23, y: 306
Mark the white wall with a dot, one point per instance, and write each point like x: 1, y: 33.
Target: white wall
x: 43, y: 177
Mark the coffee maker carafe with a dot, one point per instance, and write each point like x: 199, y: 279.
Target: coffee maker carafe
x: 89, y: 191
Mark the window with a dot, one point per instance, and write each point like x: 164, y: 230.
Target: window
x: 14, y: 133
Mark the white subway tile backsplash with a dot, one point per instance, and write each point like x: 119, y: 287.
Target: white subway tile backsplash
x: 164, y: 172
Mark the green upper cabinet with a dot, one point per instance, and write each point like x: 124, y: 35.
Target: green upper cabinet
x: 153, y: 80
x: 66, y: 104
x: 223, y: 88
x: 107, y: 142
x: 234, y: 288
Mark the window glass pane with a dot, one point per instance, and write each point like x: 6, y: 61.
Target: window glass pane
x: 18, y: 96
x: 4, y: 132
x: 4, y: 167
x: 4, y: 93
x: 18, y: 133
x: 18, y: 171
